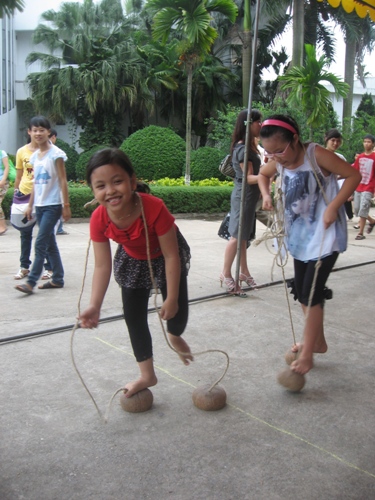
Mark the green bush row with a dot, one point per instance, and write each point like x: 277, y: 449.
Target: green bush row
x: 155, y: 152
x: 178, y: 199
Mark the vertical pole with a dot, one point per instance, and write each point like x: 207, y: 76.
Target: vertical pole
x: 248, y: 125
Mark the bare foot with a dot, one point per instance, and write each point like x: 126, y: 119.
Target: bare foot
x: 302, y: 365
x: 183, y: 350
x: 138, y: 385
x: 319, y: 348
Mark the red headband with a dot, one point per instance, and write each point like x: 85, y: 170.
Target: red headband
x: 279, y: 123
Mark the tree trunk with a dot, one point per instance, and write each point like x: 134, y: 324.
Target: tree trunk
x: 189, y: 68
x: 349, y: 79
x: 298, y: 32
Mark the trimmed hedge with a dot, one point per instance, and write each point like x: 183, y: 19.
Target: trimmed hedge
x: 156, y: 152
x: 178, y: 199
x: 71, y: 153
x: 83, y: 160
x: 205, y: 163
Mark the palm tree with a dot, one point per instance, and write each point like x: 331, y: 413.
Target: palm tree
x: 8, y: 7
x: 93, y: 71
x: 306, y: 90
x: 192, y: 21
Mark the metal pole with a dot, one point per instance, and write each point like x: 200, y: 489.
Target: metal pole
x: 248, y: 125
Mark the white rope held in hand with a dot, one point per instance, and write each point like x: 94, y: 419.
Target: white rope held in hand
x: 157, y: 309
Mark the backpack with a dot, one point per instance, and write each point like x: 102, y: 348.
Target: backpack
x: 226, y: 167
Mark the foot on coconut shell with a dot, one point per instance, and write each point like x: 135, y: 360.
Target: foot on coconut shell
x: 138, y: 385
x: 302, y: 365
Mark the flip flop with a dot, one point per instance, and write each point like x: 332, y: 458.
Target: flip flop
x: 48, y: 285
x: 25, y: 288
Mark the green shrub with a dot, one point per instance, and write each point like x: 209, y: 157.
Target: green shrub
x: 71, y: 153
x: 156, y: 152
x: 179, y: 199
x: 205, y: 163
x: 189, y: 199
x: 83, y: 160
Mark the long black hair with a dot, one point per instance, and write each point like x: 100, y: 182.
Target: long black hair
x: 239, y: 132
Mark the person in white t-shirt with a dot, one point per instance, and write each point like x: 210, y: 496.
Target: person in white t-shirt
x: 51, y: 200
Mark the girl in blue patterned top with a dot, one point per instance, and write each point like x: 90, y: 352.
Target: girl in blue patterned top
x: 314, y: 217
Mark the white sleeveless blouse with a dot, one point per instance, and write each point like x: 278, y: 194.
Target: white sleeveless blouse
x: 304, y: 206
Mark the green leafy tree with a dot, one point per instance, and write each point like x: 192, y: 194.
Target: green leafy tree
x: 306, y: 90
x: 93, y: 72
x: 8, y: 7
x: 191, y: 20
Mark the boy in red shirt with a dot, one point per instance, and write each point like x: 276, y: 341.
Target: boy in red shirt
x: 365, y: 163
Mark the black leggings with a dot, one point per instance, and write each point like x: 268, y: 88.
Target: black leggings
x: 304, y: 275
x: 135, y: 305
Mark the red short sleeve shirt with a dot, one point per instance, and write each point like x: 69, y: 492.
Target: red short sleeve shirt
x: 133, y: 239
x: 365, y: 164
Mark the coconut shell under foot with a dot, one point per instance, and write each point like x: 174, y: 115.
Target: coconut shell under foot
x: 291, y: 380
x: 140, y: 401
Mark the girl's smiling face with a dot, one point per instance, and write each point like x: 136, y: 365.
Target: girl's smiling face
x: 113, y: 188
x: 39, y: 135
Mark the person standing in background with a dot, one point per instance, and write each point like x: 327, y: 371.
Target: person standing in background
x: 50, y: 197
x: 333, y: 140
x: 4, y: 185
x: 251, y: 198
x: 60, y: 229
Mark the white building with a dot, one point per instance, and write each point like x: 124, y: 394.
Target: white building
x: 15, y: 45
x: 358, y: 91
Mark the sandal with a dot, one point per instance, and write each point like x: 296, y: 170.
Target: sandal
x: 356, y: 226
x: 47, y: 275
x: 22, y: 273
x: 231, y: 285
x: 48, y: 285
x: 370, y: 227
x: 360, y: 237
x: 249, y: 280
x: 25, y: 288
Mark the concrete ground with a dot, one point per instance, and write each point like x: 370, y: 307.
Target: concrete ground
x: 267, y: 443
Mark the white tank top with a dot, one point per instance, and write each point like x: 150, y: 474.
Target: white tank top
x: 304, y: 206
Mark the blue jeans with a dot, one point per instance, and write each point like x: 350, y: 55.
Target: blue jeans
x: 26, y: 236
x: 47, y: 217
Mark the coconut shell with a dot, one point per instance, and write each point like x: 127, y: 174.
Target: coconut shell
x: 209, y: 400
x: 291, y: 380
x: 290, y: 356
x: 139, y: 402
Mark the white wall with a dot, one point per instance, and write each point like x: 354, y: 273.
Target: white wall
x: 9, y: 137
x: 358, y: 92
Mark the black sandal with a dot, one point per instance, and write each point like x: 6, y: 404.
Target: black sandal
x: 25, y: 288
x: 48, y: 285
x: 370, y: 227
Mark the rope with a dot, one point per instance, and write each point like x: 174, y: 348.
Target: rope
x: 157, y: 309
x: 76, y: 326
